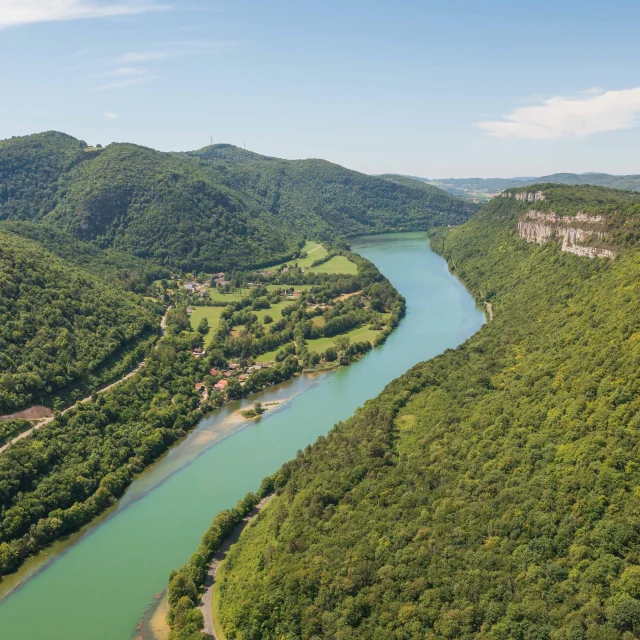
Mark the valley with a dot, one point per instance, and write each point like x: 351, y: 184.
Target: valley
x: 158, y: 521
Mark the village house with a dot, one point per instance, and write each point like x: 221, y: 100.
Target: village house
x: 189, y: 310
x: 228, y: 374
x: 197, y: 352
x: 243, y: 376
x: 190, y: 287
x: 199, y: 386
x: 221, y: 386
x: 214, y: 372
x: 233, y: 365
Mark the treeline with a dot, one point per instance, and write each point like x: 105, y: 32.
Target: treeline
x: 488, y: 493
x: 58, y: 324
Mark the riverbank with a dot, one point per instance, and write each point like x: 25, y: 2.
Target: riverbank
x: 211, y: 622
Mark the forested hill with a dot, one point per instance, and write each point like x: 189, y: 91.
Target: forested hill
x: 58, y: 324
x: 322, y: 198
x: 217, y: 208
x: 490, y: 493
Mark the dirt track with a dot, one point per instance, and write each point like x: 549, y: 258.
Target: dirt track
x: 206, y: 605
x: 49, y: 418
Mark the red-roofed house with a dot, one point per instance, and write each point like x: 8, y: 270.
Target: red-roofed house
x: 221, y: 386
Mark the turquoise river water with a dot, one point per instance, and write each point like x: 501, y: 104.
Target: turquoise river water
x: 97, y: 584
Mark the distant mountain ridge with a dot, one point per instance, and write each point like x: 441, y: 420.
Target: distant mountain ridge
x: 481, y: 189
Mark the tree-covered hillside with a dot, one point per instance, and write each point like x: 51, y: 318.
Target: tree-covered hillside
x: 110, y: 264
x: 321, y: 198
x: 30, y: 170
x: 492, y: 492
x: 217, y: 208
x: 58, y: 323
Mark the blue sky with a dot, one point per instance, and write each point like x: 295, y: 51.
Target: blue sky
x: 436, y: 89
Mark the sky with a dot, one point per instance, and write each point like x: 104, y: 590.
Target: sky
x: 462, y: 88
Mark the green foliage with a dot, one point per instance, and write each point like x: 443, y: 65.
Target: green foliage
x: 11, y: 428
x: 218, y: 208
x: 30, y: 170
x: 489, y: 493
x: 57, y: 323
x: 184, y: 617
x: 133, y: 273
x: 64, y: 475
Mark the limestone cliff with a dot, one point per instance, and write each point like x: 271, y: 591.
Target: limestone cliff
x: 581, y: 234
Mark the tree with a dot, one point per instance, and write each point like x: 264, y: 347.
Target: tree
x: 330, y: 355
x: 234, y: 389
x: 267, y: 319
x: 203, y: 326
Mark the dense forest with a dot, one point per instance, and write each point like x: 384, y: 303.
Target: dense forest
x: 214, y: 209
x: 58, y: 323
x: 491, y: 492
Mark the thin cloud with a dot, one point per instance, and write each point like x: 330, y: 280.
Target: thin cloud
x: 129, y: 82
x: 178, y: 49
x: 561, y: 117
x: 110, y: 115
x: 143, y: 56
x: 123, y: 71
x: 15, y: 13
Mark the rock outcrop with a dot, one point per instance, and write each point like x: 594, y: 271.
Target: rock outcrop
x: 574, y: 232
x: 525, y: 196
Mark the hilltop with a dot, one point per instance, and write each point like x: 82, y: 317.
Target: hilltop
x: 488, y: 493
x: 217, y: 208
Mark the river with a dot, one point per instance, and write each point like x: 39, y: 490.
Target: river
x: 98, y: 583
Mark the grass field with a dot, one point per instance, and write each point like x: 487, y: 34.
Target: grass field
x: 212, y: 314
x: 337, y: 264
x: 267, y: 357
x: 275, y: 311
x: 314, y: 250
x: 217, y: 295
x: 356, y: 335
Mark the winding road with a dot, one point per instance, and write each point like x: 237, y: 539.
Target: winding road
x: 45, y: 421
x: 206, y: 604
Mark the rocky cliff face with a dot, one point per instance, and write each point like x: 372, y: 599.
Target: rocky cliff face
x: 580, y: 234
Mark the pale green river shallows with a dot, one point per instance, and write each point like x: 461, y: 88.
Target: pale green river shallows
x: 96, y: 585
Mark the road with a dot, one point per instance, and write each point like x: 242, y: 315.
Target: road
x: 46, y: 421
x: 206, y: 604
